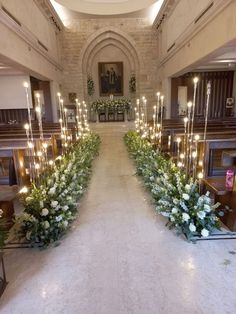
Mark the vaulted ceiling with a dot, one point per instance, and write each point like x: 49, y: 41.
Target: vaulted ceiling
x: 106, y: 7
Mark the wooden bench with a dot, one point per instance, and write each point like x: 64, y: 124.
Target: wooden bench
x: 216, y: 185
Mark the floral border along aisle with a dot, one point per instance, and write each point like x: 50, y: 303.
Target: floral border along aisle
x: 175, y: 196
x: 51, y: 207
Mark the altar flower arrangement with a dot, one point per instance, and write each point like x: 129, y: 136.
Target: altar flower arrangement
x: 132, y: 84
x: 51, y: 207
x: 175, y: 196
x: 119, y: 104
x: 90, y: 85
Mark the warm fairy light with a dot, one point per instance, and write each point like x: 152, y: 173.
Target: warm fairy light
x: 23, y: 190
x: 200, y: 175
x: 195, y: 80
x: 37, y: 166
x: 37, y: 109
x: 39, y: 154
x: 62, y: 136
x: 37, y: 95
x: 30, y: 145
x: 66, y: 145
x: 178, y: 140
x: 65, y: 110
x: 68, y: 137
x: 197, y: 137
x: 200, y: 163
x: 186, y: 120
x: 181, y: 156
x: 26, y: 126
x: 158, y: 94
x: 50, y: 162
x: 45, y: 145
x: 60, y: 120
x: 180, y: 164
x: 59, y: 94
x: 61, y: 101
x: 59, y: 158
x: 26, y: 84
x: 194, y: 154
x: 162, y: 97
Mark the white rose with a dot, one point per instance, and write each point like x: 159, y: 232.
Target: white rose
x: 187, y: 187
x: 192, y: 227
x: 52, y: 191
x: 205, y: 232
x: 46, y: 224
x: 201, y: 214
x: 58, y: 218
x: 54, y: 203
x: 185, y: 196
x: 65, y: 208
x: 185, y: 217
x: 174, y: 210
x: 207, y: 208
x: 44, y: 212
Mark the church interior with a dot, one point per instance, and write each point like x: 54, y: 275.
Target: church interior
x: 117, y: 156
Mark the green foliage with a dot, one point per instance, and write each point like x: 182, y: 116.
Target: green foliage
x: 90, y: 85
x: 3, y: 231
x: 132, y: 84
x: 51, y: 207
x: 176, y: 197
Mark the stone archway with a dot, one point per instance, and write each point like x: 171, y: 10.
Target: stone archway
x: 100, y: 39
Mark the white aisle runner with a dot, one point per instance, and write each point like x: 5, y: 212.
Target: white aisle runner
x: 119, y: 257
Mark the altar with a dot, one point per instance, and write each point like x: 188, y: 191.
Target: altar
x: 110, y: 110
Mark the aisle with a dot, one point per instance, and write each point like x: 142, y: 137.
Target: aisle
x: 119, y: 257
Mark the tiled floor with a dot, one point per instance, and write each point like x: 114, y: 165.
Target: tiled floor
x: 119, y: 257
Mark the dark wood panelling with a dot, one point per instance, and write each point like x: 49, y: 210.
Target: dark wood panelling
x: 222, y: 88
x: 19, y: 115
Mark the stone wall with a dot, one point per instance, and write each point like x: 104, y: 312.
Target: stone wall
x: 87, y: 41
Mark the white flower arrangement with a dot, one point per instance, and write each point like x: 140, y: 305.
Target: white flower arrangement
x: 175, y: 197
x: 51, y: 207
x: 120, y: 104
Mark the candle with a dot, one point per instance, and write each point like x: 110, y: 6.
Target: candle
x: 195, y: 81
x: 158, y: 105
x: 206, y: 117
x: 178, y: 148
x: 161, y: 123
x: 188, y: 143
x: 30, y: 144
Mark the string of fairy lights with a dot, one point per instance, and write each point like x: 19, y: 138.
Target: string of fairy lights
x: 187, y: 149
x: 37, y: 149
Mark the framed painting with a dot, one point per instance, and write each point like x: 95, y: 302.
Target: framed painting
x: 110, y: 78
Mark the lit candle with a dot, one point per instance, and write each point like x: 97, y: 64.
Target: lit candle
x: 161, y: 122
x: 206, y: 117
x: 158, y: 105
x: 195, y: 81
x: 30, y: 144
x: 178, y: 148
